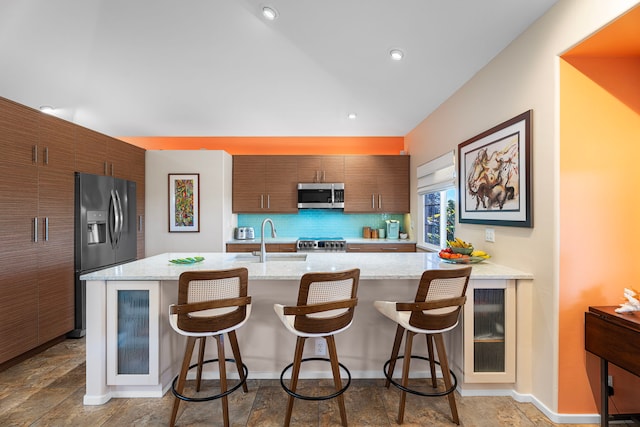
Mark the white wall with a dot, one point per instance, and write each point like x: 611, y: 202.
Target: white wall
x: 216, y: 220
x: 524, y: 76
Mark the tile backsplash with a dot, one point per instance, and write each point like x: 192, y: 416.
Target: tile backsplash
x: 319, y: 223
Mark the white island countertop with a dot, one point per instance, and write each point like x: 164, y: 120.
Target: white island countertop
x: 290, y: 266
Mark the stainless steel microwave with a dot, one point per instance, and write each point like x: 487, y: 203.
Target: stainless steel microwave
x: 321, y: 196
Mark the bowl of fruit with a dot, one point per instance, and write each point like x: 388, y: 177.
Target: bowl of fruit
x: 459, y: 246
x: 463, y: 251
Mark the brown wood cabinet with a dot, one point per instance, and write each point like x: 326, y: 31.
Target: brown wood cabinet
x: 381, y: 247
x: 376, y: 184
x: 37, y: 190
x: 36, y: 228
x: 19, y: 251
x: 320, y: 168
x: 255, y: 247
x: 373, y: 184
x: 264, y: 184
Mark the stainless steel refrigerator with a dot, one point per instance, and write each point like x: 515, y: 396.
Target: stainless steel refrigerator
x: 105, y: 231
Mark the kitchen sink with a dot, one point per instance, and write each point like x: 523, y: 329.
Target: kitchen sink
x: 270, y: 257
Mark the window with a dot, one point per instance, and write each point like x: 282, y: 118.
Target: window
x: 439, y: 217
x: 437, y: 192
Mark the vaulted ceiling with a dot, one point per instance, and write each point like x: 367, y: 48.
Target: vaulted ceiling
x: 218, y: 68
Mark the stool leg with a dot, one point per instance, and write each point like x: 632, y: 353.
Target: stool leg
x: 333, y: 356
x: 394, y: 353
x: 236, y: 355
x: 432, y: 363
x: 295, y: 371
x: 405, y: 374
x: 223, y: 379
x: 446, y: 375
x: 203, y: 341
x: 191, y: 342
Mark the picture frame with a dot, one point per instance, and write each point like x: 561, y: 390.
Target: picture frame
x: 494, y: 172
x: 184, y: 202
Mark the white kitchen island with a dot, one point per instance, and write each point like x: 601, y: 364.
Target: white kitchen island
x: 131, y: 351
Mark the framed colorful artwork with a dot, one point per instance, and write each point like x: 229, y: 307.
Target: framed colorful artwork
x: 184, y: 202
x: 494, y: 171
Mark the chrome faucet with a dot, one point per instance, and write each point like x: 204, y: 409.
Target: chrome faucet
x: 263, y: 247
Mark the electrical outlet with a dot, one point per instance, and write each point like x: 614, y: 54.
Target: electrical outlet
x: 489, y: 235
x: 321, y: 347
x: 610, y: 381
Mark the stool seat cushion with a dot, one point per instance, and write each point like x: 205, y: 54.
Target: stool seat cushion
x: 173, y: 321
x: 388, y: 309
x: 288, y: 322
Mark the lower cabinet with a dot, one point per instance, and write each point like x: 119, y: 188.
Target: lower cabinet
x: 381, y: 247
x: 253, y: 247
x: 484, y: 349
x: 132, y: 333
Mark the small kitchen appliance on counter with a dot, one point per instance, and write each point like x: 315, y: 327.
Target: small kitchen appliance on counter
x: 393, y: 229
x: 245, y: 233
x: 321, y: 244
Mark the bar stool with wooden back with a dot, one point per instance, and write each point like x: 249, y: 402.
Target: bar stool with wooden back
x: 325, y: 307
x: 436, y: 309
x: 210, y: 304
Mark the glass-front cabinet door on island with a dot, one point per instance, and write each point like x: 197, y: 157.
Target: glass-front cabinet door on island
x: 489, y: 330
x: 132, y: 333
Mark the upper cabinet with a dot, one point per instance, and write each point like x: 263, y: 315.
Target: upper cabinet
x: 376, y: 184
x: 100, y: 154
x: 265, y: 184
x: 269, y: 183
x: 320, y: 169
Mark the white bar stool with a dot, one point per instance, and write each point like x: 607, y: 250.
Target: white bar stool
x: 325, y: 307
x: 210, y: 304
x: 436, y: 309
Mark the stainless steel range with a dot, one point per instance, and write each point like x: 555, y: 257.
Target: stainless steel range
x: 321, y: 244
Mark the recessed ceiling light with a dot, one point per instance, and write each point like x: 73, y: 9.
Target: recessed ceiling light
x: 47, y: 109
x: 396, y: 54
x: 269, y: 13
x: 352, y: 116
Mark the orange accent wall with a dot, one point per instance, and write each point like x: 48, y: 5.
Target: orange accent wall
x: 599, y: 216
x: 275, y: 145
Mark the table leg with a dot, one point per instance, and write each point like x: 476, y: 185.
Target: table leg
x: 604, y: 392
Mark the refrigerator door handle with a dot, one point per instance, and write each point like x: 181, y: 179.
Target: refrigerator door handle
x: 113, y: 220
x: 120, y: 216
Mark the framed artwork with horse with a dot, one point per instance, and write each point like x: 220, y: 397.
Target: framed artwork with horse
x: 494, y: 171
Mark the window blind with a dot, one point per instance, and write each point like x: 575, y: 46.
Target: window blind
x: 437, y: 174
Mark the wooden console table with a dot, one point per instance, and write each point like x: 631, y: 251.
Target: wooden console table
x: 615, y: 338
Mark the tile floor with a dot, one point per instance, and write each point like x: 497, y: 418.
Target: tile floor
x: 47, y: 390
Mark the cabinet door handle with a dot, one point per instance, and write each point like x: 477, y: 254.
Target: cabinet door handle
x: 390, y: 249
x: 46, y: 155
x: 379, y: 201
x: 35, y: 230
x: 262, y: 201
x: 112, y: 170
x: 46, y: 229
x: 324, y: 176
x: 34, y: 154
x: 140, y: 223
x: 373, y: 201
x: 268, y: 201
x: 352, y: 249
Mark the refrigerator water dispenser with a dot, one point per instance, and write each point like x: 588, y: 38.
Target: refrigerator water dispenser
x: 96, y: 227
